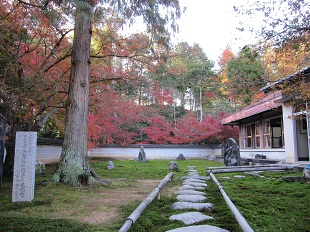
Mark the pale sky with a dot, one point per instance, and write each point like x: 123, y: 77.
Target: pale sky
x: 212, y: 24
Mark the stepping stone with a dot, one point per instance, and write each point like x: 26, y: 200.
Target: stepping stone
x: 192, y: 170
x: 190, y: 187
x: 239, y: 176
x: 191, y: 198
x: 191, y: 167
x: 255, y: 174
x: 190, y: 192
x: 190, y: 218
x: 199, y: 177
x: 202, y: 228
x: 192, y: 179
x: 190, y: 174
x: 192, y: 205
x: 195, y: 177
x: 195, y: 184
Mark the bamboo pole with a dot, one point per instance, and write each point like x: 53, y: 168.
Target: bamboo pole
x: 249, y: 169
x: 247, y: 166
x: 240, y: 219
x: 138, y: 211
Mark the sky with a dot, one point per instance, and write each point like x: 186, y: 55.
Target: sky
x: 212, y: 24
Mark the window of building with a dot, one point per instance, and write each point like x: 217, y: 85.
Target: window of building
x: 257, y: 135
x: 266, y: 134
x: 247, y: 136
x: 273, y: 133
x: 276, y: 132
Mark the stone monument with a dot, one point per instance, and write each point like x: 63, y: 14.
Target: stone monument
x: 24, y: 166
x: 142, y: 156
x: 232, y: 153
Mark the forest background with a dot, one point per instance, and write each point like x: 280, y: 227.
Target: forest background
x: 143, y: 88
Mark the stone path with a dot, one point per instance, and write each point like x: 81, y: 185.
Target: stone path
x: 192, y: 196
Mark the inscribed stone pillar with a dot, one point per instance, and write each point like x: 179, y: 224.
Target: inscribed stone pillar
x: 24, y: 166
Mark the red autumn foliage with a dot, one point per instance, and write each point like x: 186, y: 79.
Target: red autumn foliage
x: 190, y: 130
x: 226, y: 131
x: 158, y: 131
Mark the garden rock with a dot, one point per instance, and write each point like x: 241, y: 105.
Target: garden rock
x: 181, y: 157
x: 190, y: 218
x: 173, y: 166
x: 142, y: 156
x: 40, y: 168
x: 232, y: 153
x: 110, y: 165
x: 306, y: 173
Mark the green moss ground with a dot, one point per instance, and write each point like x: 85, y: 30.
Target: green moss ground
x: 268, y: 204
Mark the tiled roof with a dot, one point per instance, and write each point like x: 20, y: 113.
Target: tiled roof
x: 269, y: 102
x: 302, y: 72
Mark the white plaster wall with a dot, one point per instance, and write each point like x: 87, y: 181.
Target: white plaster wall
x: 274, y: 154
x: 289, y: 134
x: 155, y: 153
x: 50, y: 153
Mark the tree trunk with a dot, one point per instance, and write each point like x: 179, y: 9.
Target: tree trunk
x: 74, y: 166
x: 200, y: 101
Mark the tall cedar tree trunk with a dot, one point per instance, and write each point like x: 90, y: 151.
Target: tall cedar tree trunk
x: 73, y: 162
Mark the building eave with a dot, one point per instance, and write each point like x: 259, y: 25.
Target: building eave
x: 270, y: 102
x: 302, y: 72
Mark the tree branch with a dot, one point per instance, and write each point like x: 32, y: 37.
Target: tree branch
x: 30, y: 4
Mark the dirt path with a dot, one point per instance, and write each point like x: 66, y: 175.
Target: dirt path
x: 105, y: 205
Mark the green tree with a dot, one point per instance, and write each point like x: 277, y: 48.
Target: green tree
x: 192, y: 75
x: 31, y: 89
x: 200, y: 75
x: 245, y: 75
x: 73, y: 160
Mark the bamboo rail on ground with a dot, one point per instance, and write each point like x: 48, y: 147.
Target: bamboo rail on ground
x: 138, y: 211
x: 250, y: 168
x: 240, y: 219
x: 226, y: 169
